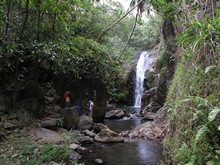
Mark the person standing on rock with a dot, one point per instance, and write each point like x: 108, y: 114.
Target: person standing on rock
x: 90, y: 108
x: 67, y: 99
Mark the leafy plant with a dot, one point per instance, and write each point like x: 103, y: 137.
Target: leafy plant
x: 48, y: 152
x: 59, y: 122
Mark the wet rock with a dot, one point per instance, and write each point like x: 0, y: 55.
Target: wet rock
x: 84, y: 123
x: 115, y: 114
x: 107, y: 135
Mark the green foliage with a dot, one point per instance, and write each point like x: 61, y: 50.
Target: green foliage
x: 194, y: 116
x: 49, y: 90
x: 48, y: 152
x: 147, y: 33
x: 199, y: 32
x: 165, y: 57
x: 59, y: 122
x: 164, y: 7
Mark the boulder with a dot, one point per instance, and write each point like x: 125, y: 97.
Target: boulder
x: 49, y: 123
x: 47, y: 136
x: 115, y: 114
x: 89, y: 133
x: 147, y: 130
x: 70, y: 118
x: 99, y: 126
x: 86, y: 140
x: 107, y: 135
x: 84, y: 123
x: 110, y: 107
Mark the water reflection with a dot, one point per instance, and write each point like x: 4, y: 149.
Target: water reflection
x: 141, y: 152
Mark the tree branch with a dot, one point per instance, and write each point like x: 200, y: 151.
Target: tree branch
x: 109, y: 28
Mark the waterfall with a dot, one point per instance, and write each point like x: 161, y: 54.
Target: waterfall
x: 143, y: 64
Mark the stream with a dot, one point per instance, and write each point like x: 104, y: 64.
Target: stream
x: 133, y: 152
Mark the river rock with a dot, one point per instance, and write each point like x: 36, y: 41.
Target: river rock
x: 86, y: 140
x: 98, y: 161
x: 89, y: 133
x: 99, y: 126
x: 45, y: 135
x: 110, y: 107
x: 74, y: 155
x: 84, y: 123
x: 107, y: 135
x: 49, y: 123
x: 147, y: 130
x: 115, y: 114
x: 73, y: 146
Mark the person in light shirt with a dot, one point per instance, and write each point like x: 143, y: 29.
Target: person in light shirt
x: 91, y: 104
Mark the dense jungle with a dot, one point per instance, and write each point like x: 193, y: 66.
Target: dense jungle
x: 91, y: 49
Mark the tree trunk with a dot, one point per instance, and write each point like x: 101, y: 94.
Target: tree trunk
x: 100, y: 103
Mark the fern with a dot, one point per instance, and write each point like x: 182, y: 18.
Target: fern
x: 212, y: 115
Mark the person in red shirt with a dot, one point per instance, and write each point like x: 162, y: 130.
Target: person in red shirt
x: 67, y: 99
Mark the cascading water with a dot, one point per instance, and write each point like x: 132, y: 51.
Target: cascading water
x: 143, y: 65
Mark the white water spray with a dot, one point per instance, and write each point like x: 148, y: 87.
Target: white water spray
x: 143, y: 64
